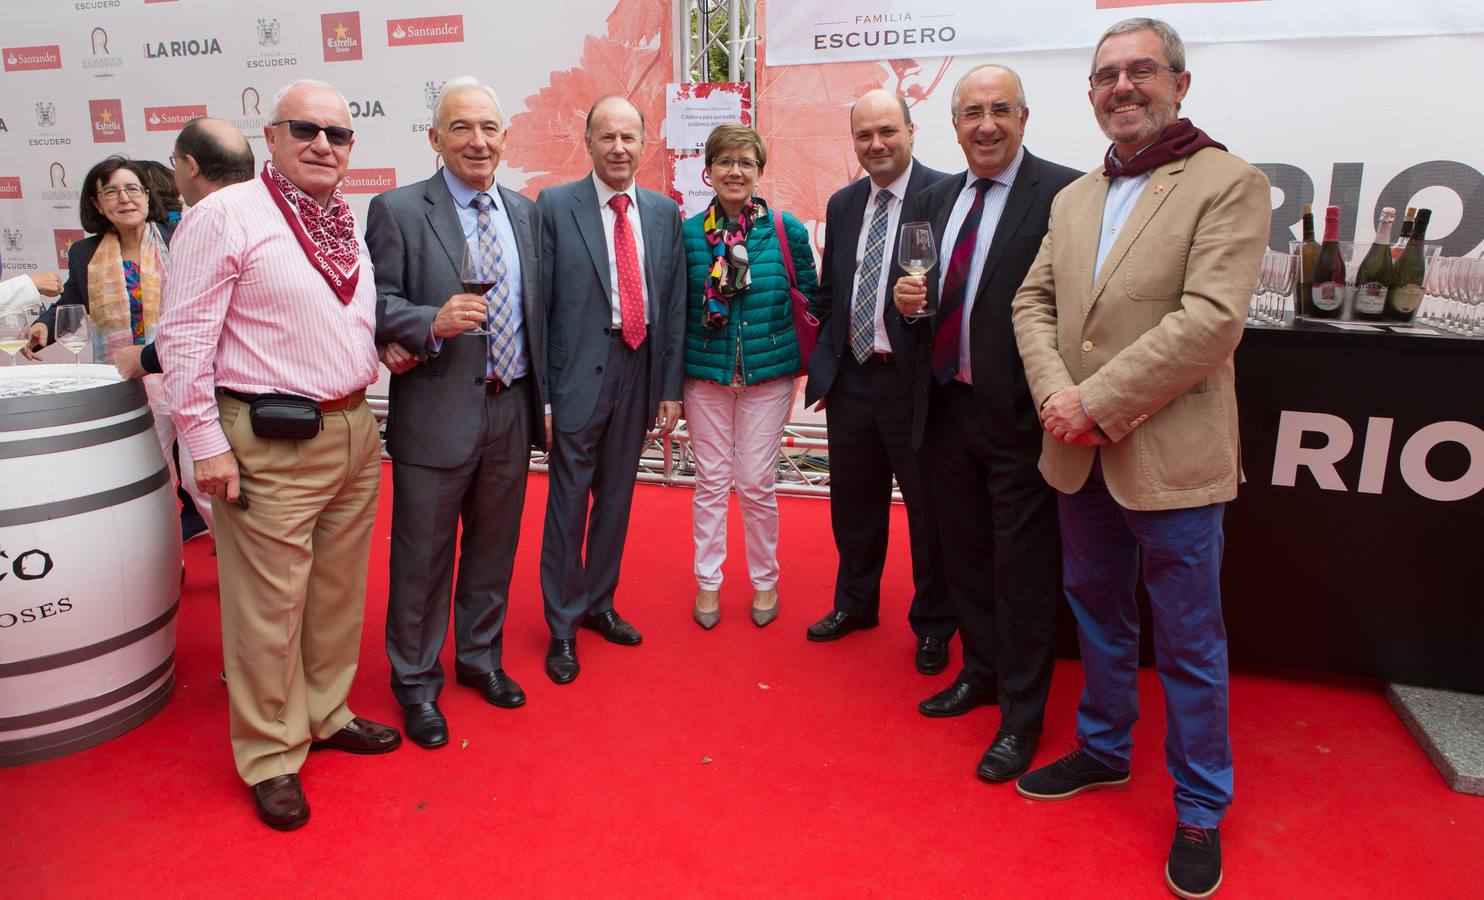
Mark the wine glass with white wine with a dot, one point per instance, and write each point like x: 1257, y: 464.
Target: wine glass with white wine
x: 917, y: 253
x: 14, y: 332
x: 72, y: 329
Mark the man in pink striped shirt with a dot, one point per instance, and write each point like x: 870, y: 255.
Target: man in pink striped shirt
x: 271, y: 292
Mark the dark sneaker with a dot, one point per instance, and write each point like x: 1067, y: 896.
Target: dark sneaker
x: 1194, y: 869
x: 1069, y: 776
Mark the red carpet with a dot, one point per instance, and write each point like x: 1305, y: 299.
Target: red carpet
x: 735, y: 763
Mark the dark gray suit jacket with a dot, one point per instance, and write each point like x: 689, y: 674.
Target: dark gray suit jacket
x: 416, y: 242
x: 574, y: 260
x: 999, y: 376
x: 842, y: 231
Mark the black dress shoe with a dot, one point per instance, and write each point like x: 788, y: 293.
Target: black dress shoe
x: 957, y: 699
x: 932, y: 655
x: 425, y: 725
x: 836, y: 625
x: 613, y: 628
x: 281, y: 802
x: 361, y: 736
x: 1009, y: 757
x: 561, y: 660
x: 498, y: 688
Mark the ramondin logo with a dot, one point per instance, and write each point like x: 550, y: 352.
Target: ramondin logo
x: 99, y: 40
x: 101, y: 59
x: 250, y: 95
x: 58, y: 173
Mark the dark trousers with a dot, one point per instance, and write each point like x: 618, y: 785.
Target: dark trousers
x: 486, y: 493
x: 598, y: 461
x: 869, y: 410
x: 998, y: 528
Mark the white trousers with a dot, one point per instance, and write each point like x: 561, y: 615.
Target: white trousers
x: 735, y: 434
x: 154, y: 387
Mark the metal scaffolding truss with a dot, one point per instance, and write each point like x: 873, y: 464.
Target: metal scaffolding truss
x: 720, y: 40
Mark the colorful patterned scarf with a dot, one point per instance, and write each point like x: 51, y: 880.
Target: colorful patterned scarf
x: 729, y: 275
x: 328, y: 236
x: 120, y: 319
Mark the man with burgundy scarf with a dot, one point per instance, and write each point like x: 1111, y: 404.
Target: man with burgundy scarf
x: 271, y: 292
x: 1127, y: 324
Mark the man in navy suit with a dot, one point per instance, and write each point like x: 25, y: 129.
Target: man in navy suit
x: 862, y: 372
x: 461, y: 424
x: 613, y: 277
x: 975, y: 421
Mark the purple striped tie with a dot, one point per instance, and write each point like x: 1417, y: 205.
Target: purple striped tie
x: 946, y: 351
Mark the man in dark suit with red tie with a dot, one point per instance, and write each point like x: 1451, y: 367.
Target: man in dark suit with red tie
x: 862, y: 371
x: 976, y: 424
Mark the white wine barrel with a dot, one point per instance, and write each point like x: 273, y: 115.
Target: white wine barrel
x: 89, y: 561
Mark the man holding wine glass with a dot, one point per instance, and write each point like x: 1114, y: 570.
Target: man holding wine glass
x: 861, y: 370
x: 1127, y: 329
x: 268, y: 346
x: 457, y: 277
x: 973, y: 416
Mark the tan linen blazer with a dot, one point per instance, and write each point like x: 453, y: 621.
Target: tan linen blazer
x: 1151, y: 340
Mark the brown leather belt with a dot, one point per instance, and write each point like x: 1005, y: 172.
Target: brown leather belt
x: 350, y: 401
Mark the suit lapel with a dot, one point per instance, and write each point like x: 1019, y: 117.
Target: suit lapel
x: 525, y: 243
x: 1017, y: 205
x: 649, y: 228
x: 443, y: 219
x: 1161, y: 185
x: 590, y: 226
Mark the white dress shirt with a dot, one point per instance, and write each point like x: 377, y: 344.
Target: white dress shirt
x: 897, y: 190
x: 994, y: 205
x: 606, y: 193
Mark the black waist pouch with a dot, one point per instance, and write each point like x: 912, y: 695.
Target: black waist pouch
x: 285, y: 416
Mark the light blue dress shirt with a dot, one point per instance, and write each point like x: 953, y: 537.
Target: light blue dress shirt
x: 463, y: 201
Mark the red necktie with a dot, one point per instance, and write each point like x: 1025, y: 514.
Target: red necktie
x: 630, y: 282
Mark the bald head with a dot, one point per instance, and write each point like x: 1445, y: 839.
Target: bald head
x: 210, y: 154
x: 882, y: 131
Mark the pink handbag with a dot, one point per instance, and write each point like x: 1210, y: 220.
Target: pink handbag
x: 806, y: 326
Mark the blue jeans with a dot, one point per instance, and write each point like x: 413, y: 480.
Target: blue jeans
x: 1103, y: 545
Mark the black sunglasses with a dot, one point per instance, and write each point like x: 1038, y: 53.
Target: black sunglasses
x: 301, y: 130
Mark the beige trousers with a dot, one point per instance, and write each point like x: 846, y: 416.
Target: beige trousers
x: 292, y: 570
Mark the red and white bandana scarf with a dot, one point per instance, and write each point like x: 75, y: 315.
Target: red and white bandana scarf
x: 328, y: 236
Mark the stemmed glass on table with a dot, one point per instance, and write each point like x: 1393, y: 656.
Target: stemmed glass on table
x: 917, y: 253
x: 15, y: 332
x: 72, y: 329
x: 477, y: 272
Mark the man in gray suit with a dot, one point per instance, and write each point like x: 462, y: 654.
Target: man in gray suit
x: 613, y: 273
x: 462, y: 423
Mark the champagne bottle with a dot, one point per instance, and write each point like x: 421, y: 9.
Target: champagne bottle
x: 1327, y: 282
x: 1308, y: 252
x: 1373, y: 278
x: 1407, y: 222
x: 1411, y: 272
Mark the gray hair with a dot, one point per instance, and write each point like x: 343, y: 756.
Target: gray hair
x: 461, y: 83
x: 1019, y: 85
x: 1173, y: 46
x: 283, y: 92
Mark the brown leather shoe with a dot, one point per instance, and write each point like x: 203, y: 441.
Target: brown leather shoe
x: 361, y: 736
x: 281, y: 802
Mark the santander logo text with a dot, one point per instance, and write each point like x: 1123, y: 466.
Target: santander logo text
x: 427, y: 30
x: 27, y: 59
x: 368, y: 181
x: 171, y: 118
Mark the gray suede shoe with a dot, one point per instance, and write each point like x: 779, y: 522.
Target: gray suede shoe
x: 762, y: 615
x: 708, y: 620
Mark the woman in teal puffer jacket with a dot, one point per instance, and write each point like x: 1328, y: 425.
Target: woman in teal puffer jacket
x: 741, y: 356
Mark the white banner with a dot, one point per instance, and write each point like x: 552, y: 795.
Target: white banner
x: 799, y: 32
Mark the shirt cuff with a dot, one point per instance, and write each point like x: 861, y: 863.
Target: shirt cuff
x: 434, y: 344
x: 1085, y: 411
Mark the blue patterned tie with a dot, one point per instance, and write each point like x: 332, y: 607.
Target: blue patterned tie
x: 863, y: 313
x: 502, y: 336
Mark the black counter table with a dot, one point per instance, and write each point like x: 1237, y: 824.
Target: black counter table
x: 1368, y: 561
